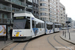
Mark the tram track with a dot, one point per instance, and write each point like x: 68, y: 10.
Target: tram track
x: 56, y: 48
x: 24, y: 46
x: 14, y: 46
x: 61, y: 43
x: 51, y: 44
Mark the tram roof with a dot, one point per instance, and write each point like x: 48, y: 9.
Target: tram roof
x: 28, y: 14
x: 49, y: 22
x: 23, y: 14
x: 57, y: 24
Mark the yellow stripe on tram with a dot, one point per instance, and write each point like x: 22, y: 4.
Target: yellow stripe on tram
x: 17, y: 34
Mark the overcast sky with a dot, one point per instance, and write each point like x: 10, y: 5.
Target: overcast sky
x: 70, y: 7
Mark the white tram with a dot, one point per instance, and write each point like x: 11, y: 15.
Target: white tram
x: 56, y: 27
x: 49, y: 27
x: 26, y: 26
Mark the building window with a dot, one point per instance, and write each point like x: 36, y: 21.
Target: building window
x: 35, y: 1
x: 43, y: 4
x: 43, y: 9
x: 43, y: 14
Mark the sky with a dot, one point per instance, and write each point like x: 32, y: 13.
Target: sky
x: 70, y: 7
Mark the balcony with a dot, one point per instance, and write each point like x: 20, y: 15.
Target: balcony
x: 8, y: 0
x: 5, y: 8
x: 29, y: 6
x: 15, y: 10
x: 5, y: 21
x: 18, y: 2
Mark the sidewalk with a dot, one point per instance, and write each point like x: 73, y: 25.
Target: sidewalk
x: 65, y: 36
x: 4, y: 43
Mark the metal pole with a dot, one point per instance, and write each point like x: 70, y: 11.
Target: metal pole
x: 65, y: 34
x: 68, y: 31
x: 69, y: 35
x: 4, y: 40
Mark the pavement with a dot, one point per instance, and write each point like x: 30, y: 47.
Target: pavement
x: 65, y: 36
x: 4, y: 44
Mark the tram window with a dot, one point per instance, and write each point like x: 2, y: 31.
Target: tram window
x: 33, y: 24
x: 42, y: 25
x: 49, y: 26
x: 27, y: 25
x: 38, y: 25
x: 56, y: 26
x: 59, y: 26
x: 21, y: 24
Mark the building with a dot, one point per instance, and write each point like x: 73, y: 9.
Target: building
x: 35, y: 9
x: 9, y: 7
x: 44, y: 10
x: 62, y: 15
x: 52, y: 10
x: 73, y: 24
x: 70, y: 19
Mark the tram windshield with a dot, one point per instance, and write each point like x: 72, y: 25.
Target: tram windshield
x: 20, y: 23
x: 49, y: 26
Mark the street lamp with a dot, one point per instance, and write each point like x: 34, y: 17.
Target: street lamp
x: 67, y: 22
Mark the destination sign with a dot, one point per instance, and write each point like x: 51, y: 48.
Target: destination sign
x: 19, y: 17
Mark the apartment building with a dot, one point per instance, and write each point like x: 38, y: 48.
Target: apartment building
x: 54, y: 10
x: 35, y: 9
x: 49, y: 9
x: 9, y: 7
x: 62, y: 15
x: 43, y: 10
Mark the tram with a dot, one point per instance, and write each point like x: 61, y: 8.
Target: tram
x: 26, y: 26
x: 56, y: 27
x: 49, y: 27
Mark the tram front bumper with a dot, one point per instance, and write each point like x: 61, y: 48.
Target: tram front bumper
x: 21, y: 38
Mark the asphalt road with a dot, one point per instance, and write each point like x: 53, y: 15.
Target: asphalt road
x: 45, y: 42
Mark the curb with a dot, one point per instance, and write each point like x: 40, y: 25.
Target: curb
x: 67, y: 40
x: 6, y: 46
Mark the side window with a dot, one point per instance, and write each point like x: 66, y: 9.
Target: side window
x: 33, y: 24
x: 55, y: 26
x: 38, y: 25
x: 51, y: 26
x: 27, y: 24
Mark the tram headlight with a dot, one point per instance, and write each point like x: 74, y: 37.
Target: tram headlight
x: 21, y: 35
x: 12, y: 35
